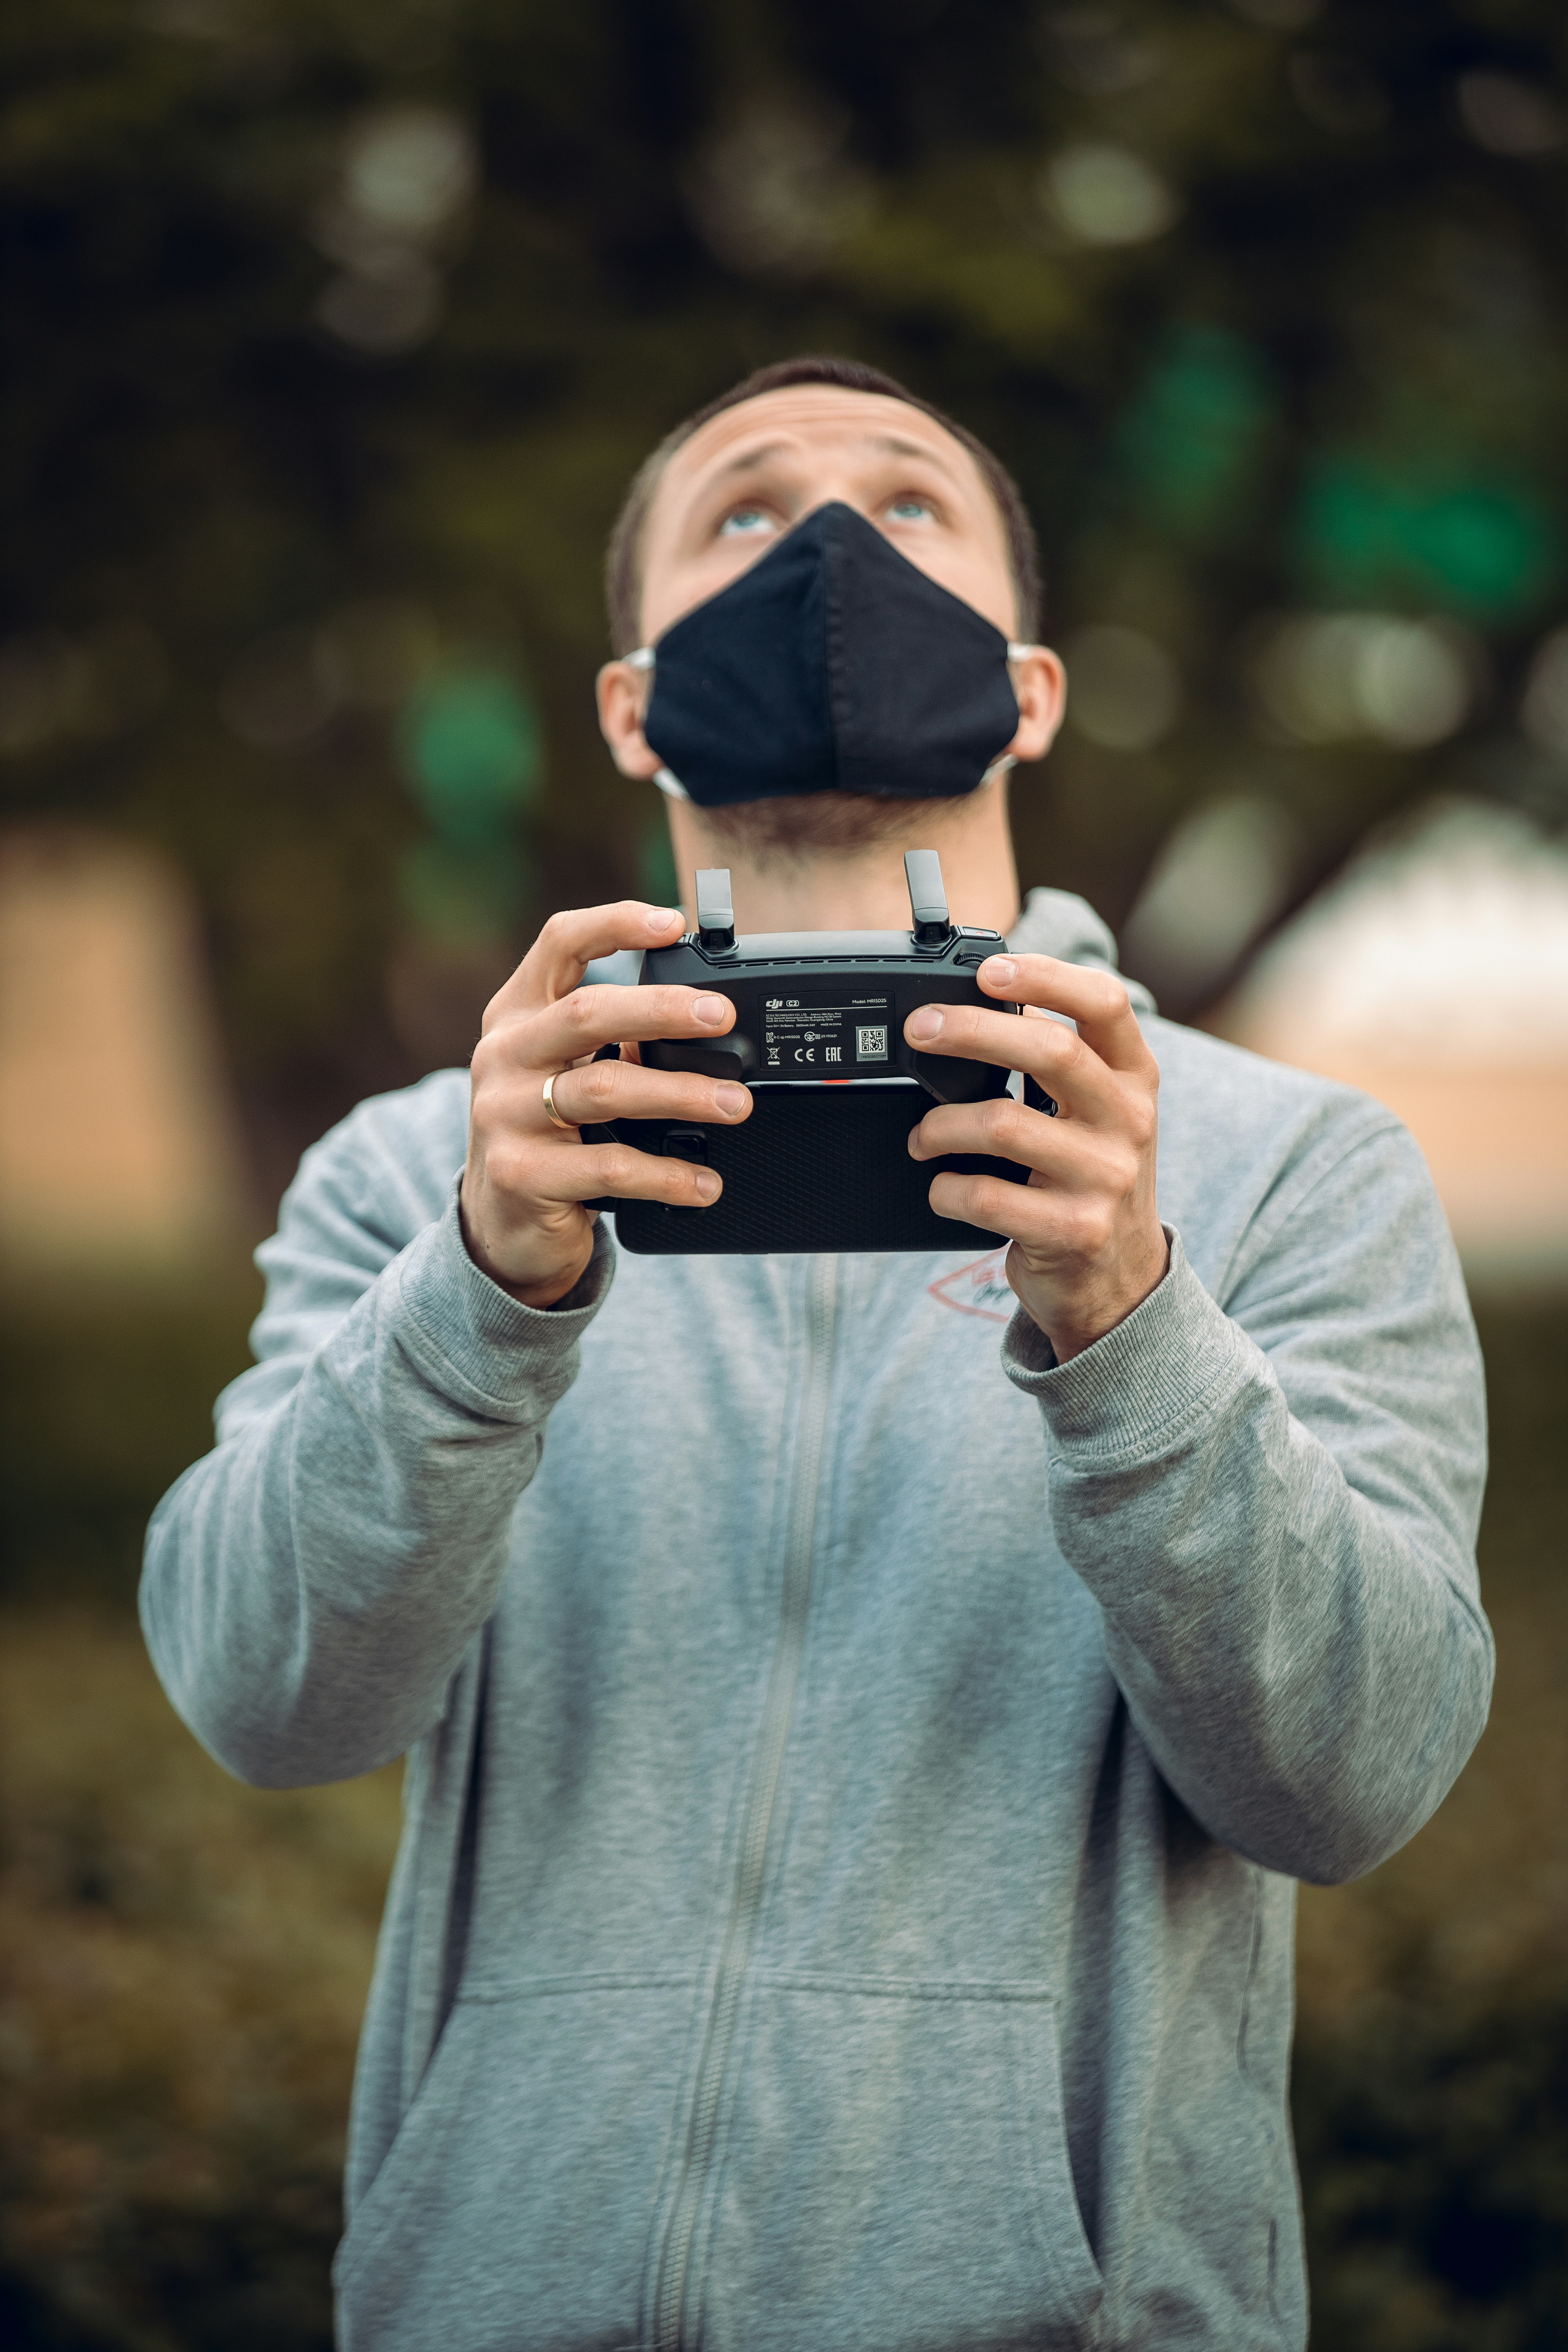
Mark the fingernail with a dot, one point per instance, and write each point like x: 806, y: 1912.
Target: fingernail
x: 707, y: 1185
x: 662, y: 917
x: 731, y: 1100
x: 923, y: 1025
x: 1000, y: 970
x: 709, y: 1010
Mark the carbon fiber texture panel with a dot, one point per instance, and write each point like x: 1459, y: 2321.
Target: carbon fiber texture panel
x: 812, y: 1169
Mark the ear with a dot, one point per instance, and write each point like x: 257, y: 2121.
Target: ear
x: 621, y: 693
x: 1040, y: 684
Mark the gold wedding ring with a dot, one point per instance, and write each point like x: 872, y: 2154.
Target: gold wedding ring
x: 569, y: 1126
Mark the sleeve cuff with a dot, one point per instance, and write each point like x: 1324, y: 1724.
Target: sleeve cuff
x: 476, y: 1341
x: 1136, y: 1391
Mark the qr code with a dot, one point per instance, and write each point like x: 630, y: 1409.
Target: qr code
x: 871, y: 1045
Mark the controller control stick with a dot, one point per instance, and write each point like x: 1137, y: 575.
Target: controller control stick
x: 928, y: 897
x: 715, y: 909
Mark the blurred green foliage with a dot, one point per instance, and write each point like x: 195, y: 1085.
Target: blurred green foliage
x: 1434, y: 2152
x: 106, y: 1395
x: 182, y: 1964
x: 320, y: 311
x: 1431, y: 2076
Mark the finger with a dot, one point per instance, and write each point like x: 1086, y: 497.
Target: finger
x: 591, y: 1017
x: 589, y: 1172
x: 1056, y: 1056
x: 1096, y: 1000
x: 603, y: 1090
x: 570, y: 940
x: 1074, y: 1153
x: 1038, y: 1217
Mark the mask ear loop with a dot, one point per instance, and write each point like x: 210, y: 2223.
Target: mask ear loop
x: 1000, y: 767
x: 644, y: 659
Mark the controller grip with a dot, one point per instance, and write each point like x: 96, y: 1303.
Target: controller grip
x: 951, y: 1080
x: 732, y: 1055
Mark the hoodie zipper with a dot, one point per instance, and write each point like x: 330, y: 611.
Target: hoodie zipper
x: 767, y: 1767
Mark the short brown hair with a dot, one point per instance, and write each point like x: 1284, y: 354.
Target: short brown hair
x: 622, y: 562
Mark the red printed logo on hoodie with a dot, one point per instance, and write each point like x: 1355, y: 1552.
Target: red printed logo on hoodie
x: 980, y: 1288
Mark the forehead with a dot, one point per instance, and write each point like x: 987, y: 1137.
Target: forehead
x: 819, y: 420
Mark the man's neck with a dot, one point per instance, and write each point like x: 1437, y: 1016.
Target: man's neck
x: 863, y: 888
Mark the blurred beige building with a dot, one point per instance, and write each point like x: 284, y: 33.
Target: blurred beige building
x: 117, y: 1145
x: 1434, y: 974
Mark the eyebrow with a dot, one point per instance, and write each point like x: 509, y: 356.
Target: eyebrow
x: 893, y: 444
x: 896, y: 445
x: 744, y: 461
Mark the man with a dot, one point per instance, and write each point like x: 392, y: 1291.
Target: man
x: 859, y: 1765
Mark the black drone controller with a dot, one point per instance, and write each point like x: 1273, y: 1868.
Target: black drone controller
x: 823, y: 1161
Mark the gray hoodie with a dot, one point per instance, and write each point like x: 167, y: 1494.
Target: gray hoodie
x: 858, y: 1769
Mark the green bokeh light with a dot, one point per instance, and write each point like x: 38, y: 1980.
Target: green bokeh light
x: 1484, y: 547
x: 471, y: 749
x: 472, y: 752
x: 1191, y: 443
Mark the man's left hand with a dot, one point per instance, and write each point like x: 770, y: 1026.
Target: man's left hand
x: 1088, y: 1245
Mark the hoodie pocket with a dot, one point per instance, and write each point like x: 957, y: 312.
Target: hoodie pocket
x: 421, y: 2142
x: 513, y: 2206
x: 897, y: 2174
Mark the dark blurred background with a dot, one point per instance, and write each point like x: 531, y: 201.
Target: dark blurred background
x: 332, y: 334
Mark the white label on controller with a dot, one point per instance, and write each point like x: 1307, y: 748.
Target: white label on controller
x: 827, y: 1036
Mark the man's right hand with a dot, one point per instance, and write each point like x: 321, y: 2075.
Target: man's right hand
x: 526, y: 1180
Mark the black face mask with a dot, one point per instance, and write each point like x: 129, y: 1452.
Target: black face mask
x: 833, y: 666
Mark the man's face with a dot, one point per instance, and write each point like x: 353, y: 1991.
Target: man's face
x: 751, y: 473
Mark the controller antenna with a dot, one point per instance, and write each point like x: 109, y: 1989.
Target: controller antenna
x: 715, y: 911
x: 928, y: 897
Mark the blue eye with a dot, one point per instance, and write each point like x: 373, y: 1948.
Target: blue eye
x: 746, y: 522
x: 908, y: 510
